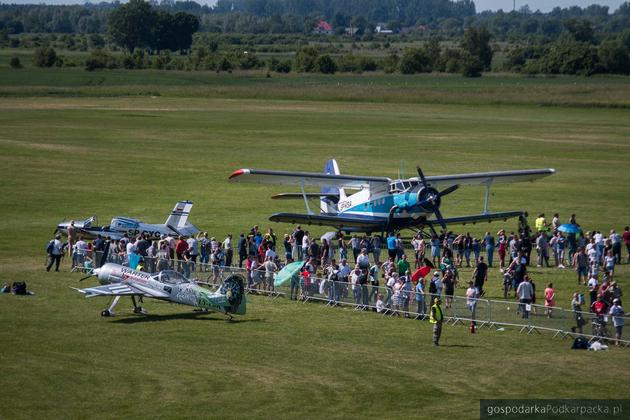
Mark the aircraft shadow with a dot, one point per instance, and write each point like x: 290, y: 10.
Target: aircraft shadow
x: 456, y: 345
x: 196, y: 316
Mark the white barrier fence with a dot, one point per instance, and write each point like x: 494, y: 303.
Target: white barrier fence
x: 528, y: 318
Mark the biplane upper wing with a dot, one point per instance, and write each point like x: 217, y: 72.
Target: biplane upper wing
x: 489, y: 178
x: 307, y: 179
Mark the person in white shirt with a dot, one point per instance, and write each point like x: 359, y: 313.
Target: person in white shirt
x: 306, y: 243
x: 363, y: 260
x: 55, y: 251
x: 471, y: 298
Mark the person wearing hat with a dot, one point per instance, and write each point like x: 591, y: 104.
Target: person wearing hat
x: 436, y: 317
x: 616, y: 312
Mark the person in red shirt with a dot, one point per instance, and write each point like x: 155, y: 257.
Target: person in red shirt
x: 599, y: 307
x: 626, y: 239
x: 180, y: 248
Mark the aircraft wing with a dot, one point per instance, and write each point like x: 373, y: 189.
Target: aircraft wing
x: 122, y: 289
x: 339, y: 222
x: 474, y: 218
x: 300, y: 196
x: 307, y: 179
x: 489, y: 178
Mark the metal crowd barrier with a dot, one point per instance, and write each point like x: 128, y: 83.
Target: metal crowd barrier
x: 530, y: 318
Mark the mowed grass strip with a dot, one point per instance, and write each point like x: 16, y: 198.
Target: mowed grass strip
x: 74, y: 157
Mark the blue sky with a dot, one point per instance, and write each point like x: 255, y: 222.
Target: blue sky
x: 543, y: 5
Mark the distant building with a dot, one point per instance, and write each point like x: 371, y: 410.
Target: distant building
x: 323, y: 27
x: 381, y: 28
x: 352, y: 30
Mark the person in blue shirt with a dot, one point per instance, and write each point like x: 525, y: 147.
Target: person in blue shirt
x: 488, y: 241
x: 392, y: 249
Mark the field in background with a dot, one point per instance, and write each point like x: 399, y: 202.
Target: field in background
x: 74, y: 144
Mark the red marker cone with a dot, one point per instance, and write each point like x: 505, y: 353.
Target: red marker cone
x: 472, y: 327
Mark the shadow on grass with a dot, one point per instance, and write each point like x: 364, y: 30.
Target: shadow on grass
x: 196, y: 316
x: 456, y: 345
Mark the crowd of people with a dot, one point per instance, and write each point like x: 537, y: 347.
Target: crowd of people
x: 380, y: 261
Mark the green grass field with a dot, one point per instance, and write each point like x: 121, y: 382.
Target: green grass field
x: 136, y: 142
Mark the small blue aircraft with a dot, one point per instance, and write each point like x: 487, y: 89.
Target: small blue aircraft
x: 381, y: 204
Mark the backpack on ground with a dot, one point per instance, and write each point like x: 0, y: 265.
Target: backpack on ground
x: 19, y: 288
x: 580, y: 343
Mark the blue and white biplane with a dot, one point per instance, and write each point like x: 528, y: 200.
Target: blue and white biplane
x: 381, y: 204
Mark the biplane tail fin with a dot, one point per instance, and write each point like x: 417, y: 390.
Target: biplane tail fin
x: 328, y: 204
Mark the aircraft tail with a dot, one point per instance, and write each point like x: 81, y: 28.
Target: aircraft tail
x: 179, y: 215
x: 331, y: 195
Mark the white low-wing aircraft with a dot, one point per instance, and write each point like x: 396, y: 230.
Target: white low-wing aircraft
x: 380, y: 204
x: 176, y: 224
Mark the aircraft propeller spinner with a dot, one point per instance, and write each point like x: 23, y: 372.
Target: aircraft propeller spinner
x: 430, y: 198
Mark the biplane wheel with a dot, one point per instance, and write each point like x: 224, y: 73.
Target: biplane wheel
x: 106, y: 313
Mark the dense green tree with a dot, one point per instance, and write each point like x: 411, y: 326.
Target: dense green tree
x: 15, y: 63
x: 614, y: 57
x: 415, y: 60
x: 45, y: 57
x: 131, y: 25
x: 325, y: 64
x: 476, y: 42
x: 305, y: 60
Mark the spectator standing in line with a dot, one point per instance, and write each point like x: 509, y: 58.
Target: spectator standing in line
x: 180, y: 248
x: 373, y: 277
x: 400, y: 247
x: 355, y: 244
x: 561, y: 244
x: 298, y: 235
x: 204, y: 250
x: 617, y: 313
x: 421, y: 309
x: 376, y: 248
x: 228, y: 250
x: 142, y: 245
x: 306, y: 244
x: 270, y: 270
x: 580, y: 262
x: 468, y: 247
x: 576, y: 305
x: 555, y: 222
x: 403, y: 265
x: 193, y: 251
x: 609, y: 264
x: 488, y: 241
x: 242, y: 249
x: 480, y: 276
x: 79, y: 252
x: 502, y: 251
x: 525, y: 294
x: 472, y: 294
x: 288, y: 248
x: 172, y: 244
x: 391, y: 246
x: 542, y: 248
x: 476, y: 248
x: 363, y: 260
x: 550, y: 299
x: 626, y: 239
x: 435, y: 249
x: 55, y: 251
x: 436, y: 317
x: 449, y: 288
x: 72, y: 238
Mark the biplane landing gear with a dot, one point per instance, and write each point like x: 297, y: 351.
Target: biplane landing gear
x: 110, y: 311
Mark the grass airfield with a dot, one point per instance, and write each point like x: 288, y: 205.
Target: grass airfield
x: 71, y: 149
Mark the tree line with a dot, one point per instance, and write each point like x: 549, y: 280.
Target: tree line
x: 426, y: 17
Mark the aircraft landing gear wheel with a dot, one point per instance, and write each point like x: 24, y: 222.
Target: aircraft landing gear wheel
x: 106, y: 313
